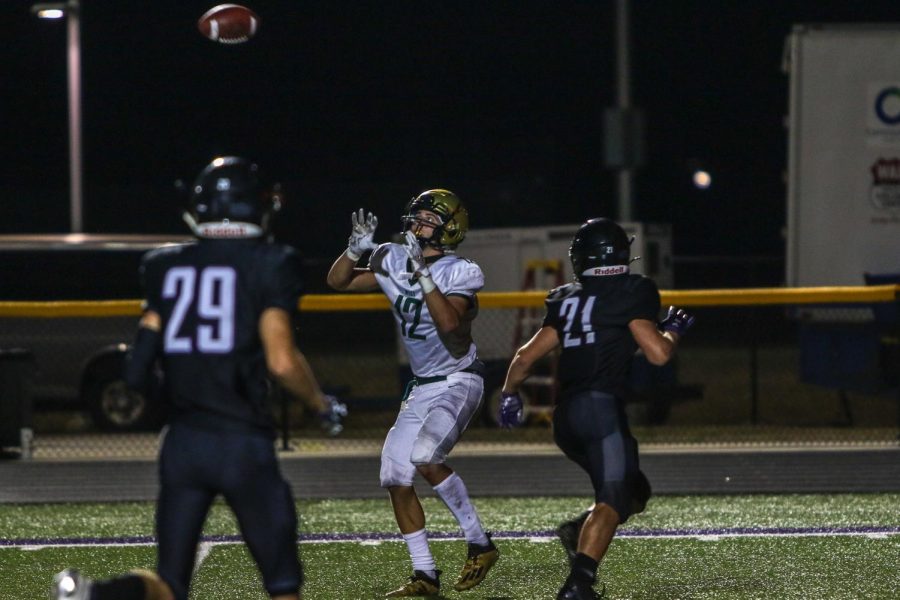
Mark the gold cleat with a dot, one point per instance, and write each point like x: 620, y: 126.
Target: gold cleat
x: 479, y: 562
x: 419, y: 584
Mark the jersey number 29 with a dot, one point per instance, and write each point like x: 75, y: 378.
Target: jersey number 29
x: 213, y: 302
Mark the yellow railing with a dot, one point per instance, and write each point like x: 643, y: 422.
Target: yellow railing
x: 348, y: 302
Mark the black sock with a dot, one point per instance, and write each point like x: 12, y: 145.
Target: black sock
x: 127, y: 587
x: 584, y: 568
x: 580, y: 519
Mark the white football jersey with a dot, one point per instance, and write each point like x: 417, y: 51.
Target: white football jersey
x: 430, y: 353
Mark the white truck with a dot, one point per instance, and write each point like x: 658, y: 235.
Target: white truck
x: 843, y: 204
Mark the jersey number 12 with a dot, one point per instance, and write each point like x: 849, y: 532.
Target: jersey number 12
x: 413, y: 306
x: 213, y: 302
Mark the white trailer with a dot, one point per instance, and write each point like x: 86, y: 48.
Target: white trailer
x: 843, y: 204
x: 843, y: 221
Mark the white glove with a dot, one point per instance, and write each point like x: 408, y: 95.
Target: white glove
x: 420, y: 269
x: 362, y: 234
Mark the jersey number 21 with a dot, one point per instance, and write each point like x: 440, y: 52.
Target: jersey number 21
x: 570, y: 311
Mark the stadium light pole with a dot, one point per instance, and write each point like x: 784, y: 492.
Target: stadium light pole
x: 71, y: 11
x: 623, y: 124
x: 623, y: 101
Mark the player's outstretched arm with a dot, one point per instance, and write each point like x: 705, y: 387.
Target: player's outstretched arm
x: 285, y: 362
x: 511, y: 408
x: 658, y: 342
x: 290, y: 368
x: 539, y: 346
x: 343, y: 275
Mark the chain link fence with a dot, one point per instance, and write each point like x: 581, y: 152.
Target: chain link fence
x: 752, y: 371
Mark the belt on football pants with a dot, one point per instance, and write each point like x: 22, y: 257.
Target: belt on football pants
x: 477, y: 367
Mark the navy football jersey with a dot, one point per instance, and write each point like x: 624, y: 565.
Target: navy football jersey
x: 210, y: 295
x: 592, y: 321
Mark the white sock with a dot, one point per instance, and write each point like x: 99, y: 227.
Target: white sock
x: 455, y: 495
x: 420, y: 553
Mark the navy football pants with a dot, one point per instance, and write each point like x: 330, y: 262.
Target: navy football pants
x: 195, y: 466
x: 592, y: 430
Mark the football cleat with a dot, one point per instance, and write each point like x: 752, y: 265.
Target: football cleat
x: 575, y: 590
x: 419, y: 584
x: 568, y: 532
x: 70, y: 585
x: 479, y: 561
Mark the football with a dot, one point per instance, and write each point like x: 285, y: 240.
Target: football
x: 228, y: 24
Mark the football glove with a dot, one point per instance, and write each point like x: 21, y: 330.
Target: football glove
x: 332, y: 418
x: 677, y: 321
x: 417, y: 260
x: 511, y: 413
x: 362, y: 234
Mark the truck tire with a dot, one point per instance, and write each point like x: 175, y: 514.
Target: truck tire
x: 114, y: 407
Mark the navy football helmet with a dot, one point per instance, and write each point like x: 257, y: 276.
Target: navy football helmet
x: 453, y: 214
x: 599, y: 243
x: 231, y: 199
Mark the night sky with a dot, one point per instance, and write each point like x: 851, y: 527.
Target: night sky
x: 367, y: 103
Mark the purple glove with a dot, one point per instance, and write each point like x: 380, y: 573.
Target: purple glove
x: 333, y: 416
x: 677, y: 321
x: 511, y: 412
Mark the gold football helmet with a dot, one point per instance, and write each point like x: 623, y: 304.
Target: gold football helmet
x: 453, y: 214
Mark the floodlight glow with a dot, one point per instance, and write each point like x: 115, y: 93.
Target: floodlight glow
x: 49, y: 10
x: 702, y: 179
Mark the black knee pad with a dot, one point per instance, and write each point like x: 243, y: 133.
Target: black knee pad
x: 627, y: 497
x: 616, y: 494
x: 640, y: 492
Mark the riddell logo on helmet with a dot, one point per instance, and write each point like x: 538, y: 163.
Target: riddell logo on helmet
x: 229, y: 230
x: 601, y: 271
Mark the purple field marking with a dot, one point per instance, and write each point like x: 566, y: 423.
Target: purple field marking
x: 380, y: 537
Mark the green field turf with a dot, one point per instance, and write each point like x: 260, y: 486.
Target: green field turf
x: 790, y: 546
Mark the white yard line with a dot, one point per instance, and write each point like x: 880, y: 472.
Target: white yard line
x: 206, y: 547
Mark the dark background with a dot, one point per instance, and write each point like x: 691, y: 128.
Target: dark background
x: 367, y: 103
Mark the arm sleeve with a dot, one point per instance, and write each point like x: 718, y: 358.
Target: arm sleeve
x: 282, y: 281
x: 148, y: 274
x: 140, y: 358
x: 377, y: 259
x: 551, y: 318
x: 466, y: 279
x: 646, y: 301
x: 553, y: 301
